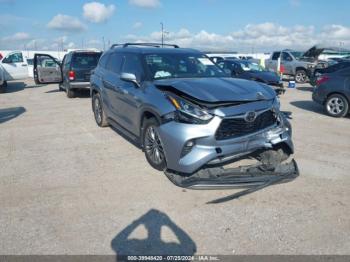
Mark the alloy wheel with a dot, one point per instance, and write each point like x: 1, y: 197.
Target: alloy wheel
x: 153, y: 146
x: 335, y: 105
x: 98, y: 110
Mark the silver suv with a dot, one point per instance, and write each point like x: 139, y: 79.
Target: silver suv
x: 185, y: 112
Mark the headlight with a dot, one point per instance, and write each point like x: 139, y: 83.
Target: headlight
x: 188, y: 112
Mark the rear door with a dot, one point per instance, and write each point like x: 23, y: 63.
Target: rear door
x: 83, y: 63
x: 47, y: 70
x: 287, y: 62
x: 272, y: 63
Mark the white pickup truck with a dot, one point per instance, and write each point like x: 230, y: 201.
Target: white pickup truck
x: 13, y: 66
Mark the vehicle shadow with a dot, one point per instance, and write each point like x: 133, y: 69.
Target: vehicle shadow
x: 126, y: 135
x: 308, y: 106
x: 153, y: 221
x: 82, y: 93
x: 9, y: 113
x: 13, y: 87
x: 306, y: 88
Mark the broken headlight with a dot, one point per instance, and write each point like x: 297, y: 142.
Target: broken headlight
x: 186, y: 112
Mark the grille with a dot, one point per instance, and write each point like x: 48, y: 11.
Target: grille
x: 236, y: 127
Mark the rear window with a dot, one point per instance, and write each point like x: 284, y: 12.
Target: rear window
x: 85, y: 60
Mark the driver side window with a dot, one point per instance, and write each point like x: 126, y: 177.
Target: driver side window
x: 13, y: 58
x: 286, y: 57
x: 132, y: 64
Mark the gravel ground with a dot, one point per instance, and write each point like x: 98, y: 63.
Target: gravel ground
x: 69, y: 187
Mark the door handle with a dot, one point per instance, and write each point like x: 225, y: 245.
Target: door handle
x: 24, y: 64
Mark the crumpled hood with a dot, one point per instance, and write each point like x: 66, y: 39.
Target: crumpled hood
x: 268, y: 77
x: 214, y: 90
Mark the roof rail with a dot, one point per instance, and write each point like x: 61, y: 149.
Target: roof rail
x: 158, y: 45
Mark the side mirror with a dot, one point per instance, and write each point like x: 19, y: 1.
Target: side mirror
x: 129, y: 77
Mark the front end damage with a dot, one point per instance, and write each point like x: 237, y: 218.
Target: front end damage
x: 229, y: 152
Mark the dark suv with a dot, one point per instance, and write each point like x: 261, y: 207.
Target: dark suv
x: 74, y: 72
x: 185, y: 111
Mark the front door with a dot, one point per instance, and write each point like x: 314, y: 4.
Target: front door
x: 15, y: 66
x: 47, y: 70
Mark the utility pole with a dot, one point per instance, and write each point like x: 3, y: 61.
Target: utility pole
x: 103, y: 40
x: 162, y: 34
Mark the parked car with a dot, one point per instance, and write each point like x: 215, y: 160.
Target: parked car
x: 331, y: 69
x: 333, y: 92
x: 185, y: 112
x: 252, y: 71
x: 13, y: 66
x: 295, y: 63
x: 74, y: 72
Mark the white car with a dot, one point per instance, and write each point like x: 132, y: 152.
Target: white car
x: 13, y: 66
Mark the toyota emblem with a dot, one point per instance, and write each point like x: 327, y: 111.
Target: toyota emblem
x: 250, y: 116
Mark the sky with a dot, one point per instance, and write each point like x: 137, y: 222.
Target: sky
x: 225, y: 25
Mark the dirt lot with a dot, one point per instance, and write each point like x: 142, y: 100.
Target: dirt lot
x: 69, y: 187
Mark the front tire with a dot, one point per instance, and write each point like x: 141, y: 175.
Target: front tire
x: 337, y: 105
x: 99, y: 113
x: 301, y: 76
x: 152, y: 144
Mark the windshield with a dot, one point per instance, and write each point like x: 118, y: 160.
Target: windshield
x: 297, y: 55
x: 247, y: 66
x: 85, y: 60
x: 180, y: 65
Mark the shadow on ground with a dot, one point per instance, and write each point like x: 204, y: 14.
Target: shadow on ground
x: 13, y: 87
x: 10, y: 113
x: 153, y: 221
x: 79, y: 93
x: 308, y: 106
x: 306, y: 88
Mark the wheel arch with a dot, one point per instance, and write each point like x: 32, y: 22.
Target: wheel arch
x: 147, y: 113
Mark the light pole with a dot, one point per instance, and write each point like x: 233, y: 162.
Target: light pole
x: 162, y: 34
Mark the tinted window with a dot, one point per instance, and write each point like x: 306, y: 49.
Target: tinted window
x: 345, y: 72
x: 13, y: 58
x: 337, y: 67
x: 275, y: 55
x: 286, y: 57
x: 85, y: 60
x: 132, y: 64
x: 114, y: 62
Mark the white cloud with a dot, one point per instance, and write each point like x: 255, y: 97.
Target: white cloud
x: 137, y: 25
x: 96, y: 12
x: 20, y: 36
x: 66, y: 23
x: 260, y: 37
x: 145, y: 3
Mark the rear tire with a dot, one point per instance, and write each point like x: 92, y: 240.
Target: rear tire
x: 337, y: 105
x: 99, y: 113
x: 70, y: 93
x: 152, y: 144
x: 301, y: 76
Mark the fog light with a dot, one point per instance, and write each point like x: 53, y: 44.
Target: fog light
x: 187, y: 148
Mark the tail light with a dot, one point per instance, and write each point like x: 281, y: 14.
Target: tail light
x: 322, y: 79
x: 71, y: 75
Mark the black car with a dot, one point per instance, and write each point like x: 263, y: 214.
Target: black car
x: 252, y: 71
x: 74, y: 72
x: 331, y: 69
x: 333, y: 92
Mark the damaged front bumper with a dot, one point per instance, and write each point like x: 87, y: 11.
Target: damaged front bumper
x: 188, y: 148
